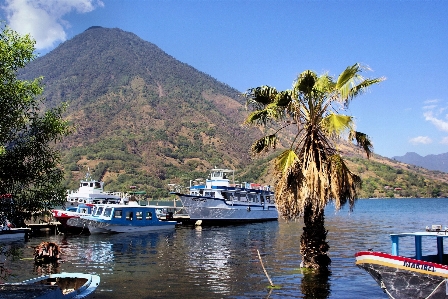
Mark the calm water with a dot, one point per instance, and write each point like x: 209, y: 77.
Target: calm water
x: 222, y: 262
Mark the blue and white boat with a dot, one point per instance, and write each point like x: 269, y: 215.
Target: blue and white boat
x: 220, y: 202
x: 53, y: 286
x: 117, y: 218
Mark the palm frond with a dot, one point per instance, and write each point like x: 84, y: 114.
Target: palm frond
x: 363, y: 141
x: 324, y: 84
x: 343, y: 183
x: 264, y: 144
x: 258, y: 117
x: 363, y: 87
x: 336, y: 124
x: 285, y: 161
x: 347, y: 75
x: 259, y: 97
x: 350, y: 83
x: 283, y: 98
x: 305, y: 82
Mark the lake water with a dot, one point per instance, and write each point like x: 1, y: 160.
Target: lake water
x: 222, y: 262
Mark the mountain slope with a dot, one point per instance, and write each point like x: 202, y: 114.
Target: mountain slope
x: 145, y: 119
x: 139, y: 113
x: 433, y: 162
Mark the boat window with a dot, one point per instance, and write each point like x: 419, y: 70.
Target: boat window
x: 118, y: 213
x: 85, y: 184
x: 97, y: 185
x: 139, y: 215
x: 252, y: 197
x: 99, y: 211
x: 148, y: 215
x: 209, y: 194
x: 129, y: 215
x: 107, y: 212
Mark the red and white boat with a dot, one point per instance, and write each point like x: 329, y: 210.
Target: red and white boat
x: 73, y: 212
x: 416, y: 276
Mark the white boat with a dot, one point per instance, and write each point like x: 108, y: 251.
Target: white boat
x: 220, y: 202
x: 117, y: 218
x: 92, y: 192
x: 417, y: 276
x: 53, y: 286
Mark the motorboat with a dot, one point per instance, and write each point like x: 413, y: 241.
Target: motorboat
x: 219, y: 201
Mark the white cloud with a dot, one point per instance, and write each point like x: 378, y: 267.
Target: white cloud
x: 43, y: 19
x: 420, y: 140
x: 439, y: 123
x: 434, y: 101
x: 444, y: 140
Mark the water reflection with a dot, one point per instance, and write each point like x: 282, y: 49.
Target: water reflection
x: 222, y: 262
x: 315, y: 286
x: 209, y: 255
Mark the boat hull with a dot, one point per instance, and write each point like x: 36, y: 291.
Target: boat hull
x: 402, y: 277
x: 101, y: 227
x: 218, y: 210
x: 122, y: 219
x: 14, y: 234
x: 53, y: 286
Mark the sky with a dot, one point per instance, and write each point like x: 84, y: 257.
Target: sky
x: 250, y: 43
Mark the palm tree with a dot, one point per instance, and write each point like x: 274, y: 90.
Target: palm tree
x: 311, y: 172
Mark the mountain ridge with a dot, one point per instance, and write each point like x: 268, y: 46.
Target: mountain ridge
x: 145, y: 119
x: 432, y: 162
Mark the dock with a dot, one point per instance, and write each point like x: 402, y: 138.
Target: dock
x: 52, y: 227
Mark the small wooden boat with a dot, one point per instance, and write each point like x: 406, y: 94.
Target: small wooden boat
x: 417, y: 276
x: 53, y: 286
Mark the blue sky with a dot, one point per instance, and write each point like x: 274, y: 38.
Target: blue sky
x: 249, y: 43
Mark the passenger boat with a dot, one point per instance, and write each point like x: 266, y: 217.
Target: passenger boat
x: 220, y: 202
x: 72, y: 212
x: 92, y: 192
x: 417, y: 276
x: 53, y: 286
x: 117, y: 218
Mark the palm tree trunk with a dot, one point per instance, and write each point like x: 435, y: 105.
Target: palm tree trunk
x: 313, y: 242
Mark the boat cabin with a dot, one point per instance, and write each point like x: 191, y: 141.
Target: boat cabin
x: 435, y: 233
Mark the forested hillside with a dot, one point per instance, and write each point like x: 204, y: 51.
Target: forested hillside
x: 145, y: 119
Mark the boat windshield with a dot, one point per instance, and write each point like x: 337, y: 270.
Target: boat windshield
x: 99, y: 210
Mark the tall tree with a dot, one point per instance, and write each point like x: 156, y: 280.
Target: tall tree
x: 30, y: 180
x: 311, y: 172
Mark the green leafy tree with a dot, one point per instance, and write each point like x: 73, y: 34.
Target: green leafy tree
x: 30, y: 180
x: 311, y: 172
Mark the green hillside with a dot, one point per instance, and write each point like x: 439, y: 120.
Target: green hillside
x: 145, y: 119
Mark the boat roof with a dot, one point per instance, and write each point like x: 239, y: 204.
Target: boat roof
x: 443, y: 234
x: 222, y: 169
